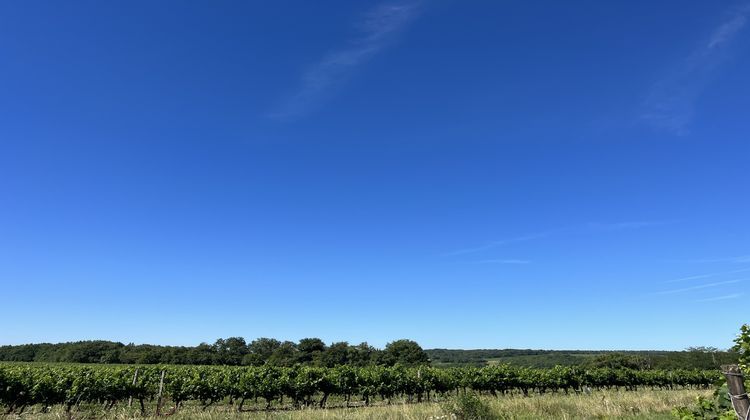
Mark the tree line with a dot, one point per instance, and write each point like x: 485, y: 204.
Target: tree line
x: 232, y: 351
x: 235, y: 351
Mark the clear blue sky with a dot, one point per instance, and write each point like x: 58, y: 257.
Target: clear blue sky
x: 487, y: 174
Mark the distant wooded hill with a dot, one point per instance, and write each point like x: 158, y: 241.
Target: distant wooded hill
x: 695, y: 357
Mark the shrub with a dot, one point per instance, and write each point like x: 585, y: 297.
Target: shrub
x: 469, y: 406
x: 717, y: 408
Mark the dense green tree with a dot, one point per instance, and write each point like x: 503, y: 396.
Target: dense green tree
x: 203, y: 354
x: 93, y: 352
x: 362, y: 354
x: 230, y: 351
x: 404, y: 352
x: 336, y: 354
x: 22, y: 353
x: 260, y: 350
x: 310, y: 350
x: 286, y: 354
x: 742, y: 347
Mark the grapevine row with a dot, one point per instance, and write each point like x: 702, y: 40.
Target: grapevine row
x: 23, y: 385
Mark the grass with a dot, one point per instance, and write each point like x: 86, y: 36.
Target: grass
x: 644, y: 404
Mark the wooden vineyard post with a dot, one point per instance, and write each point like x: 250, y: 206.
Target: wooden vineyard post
x: 158, y: 397
x: 135, y: 378
x: 737, y: 393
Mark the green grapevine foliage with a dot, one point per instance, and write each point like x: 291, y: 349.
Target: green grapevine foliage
x: 70, y: 385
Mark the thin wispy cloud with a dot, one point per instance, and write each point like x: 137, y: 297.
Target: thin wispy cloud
x: 590, y: 227
x: 376, y: 30
x: 725, y: 297
x: 705, y: 276
x: 698, y: 287
x: 670, y: 103
x: 500, y: 242
x: 740, y: 259
x: 501, y: 261
x: 629, y: 225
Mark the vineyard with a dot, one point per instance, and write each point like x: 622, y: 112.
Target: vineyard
x: 255, y: 388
